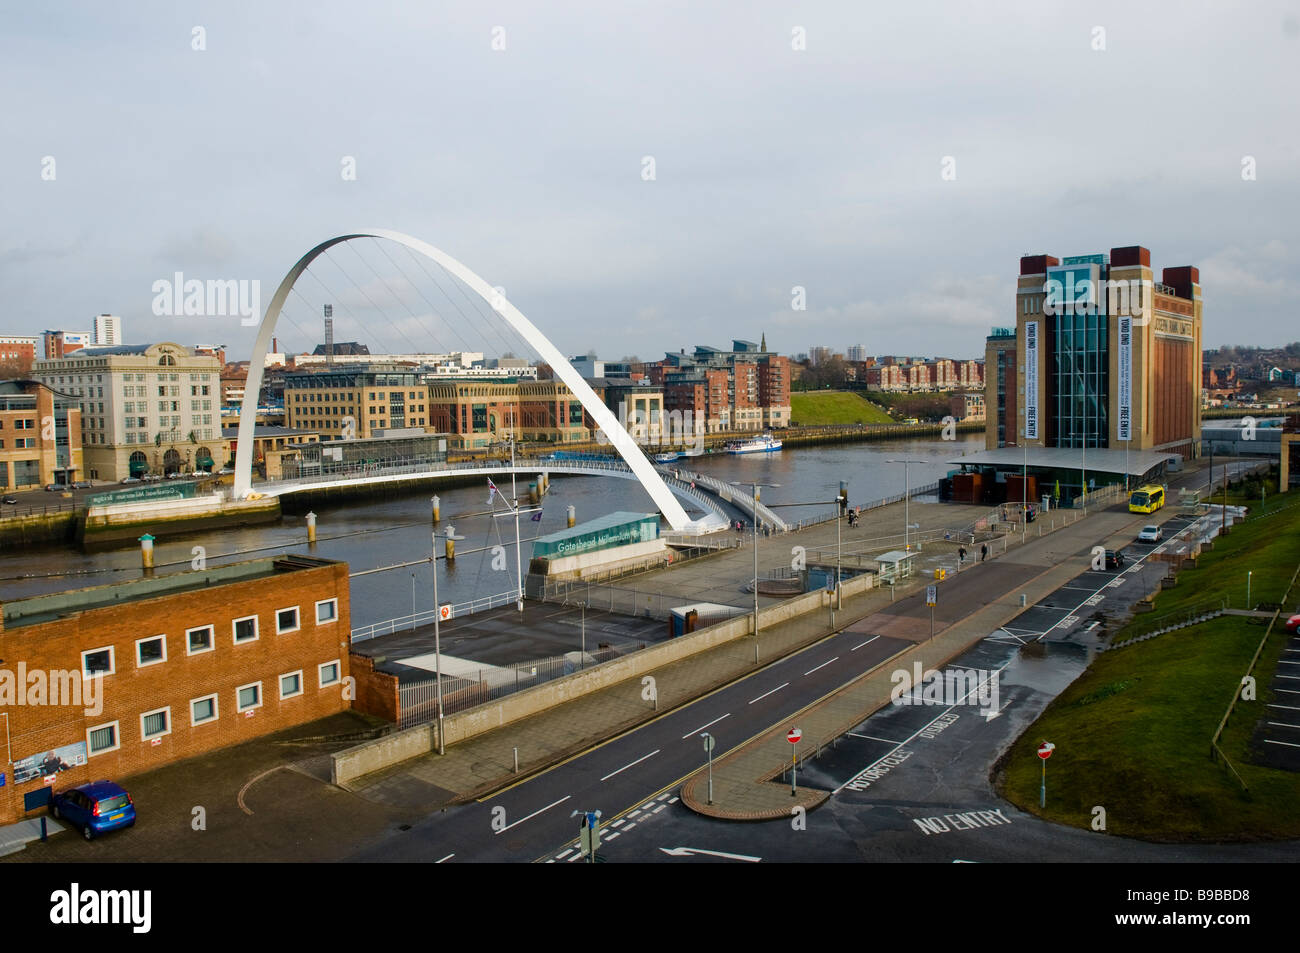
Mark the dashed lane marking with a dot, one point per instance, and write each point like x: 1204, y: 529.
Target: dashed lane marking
x: 860, y: 644
x: 765, y: 694
x: 632, y: 765
x: 824, y: 664
x: 534, y: 814
x: 702, y: 727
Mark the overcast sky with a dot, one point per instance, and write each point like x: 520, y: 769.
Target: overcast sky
x: 773, y: 167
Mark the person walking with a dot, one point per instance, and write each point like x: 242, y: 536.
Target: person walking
x: 984, y: 551
x: 961, y: 555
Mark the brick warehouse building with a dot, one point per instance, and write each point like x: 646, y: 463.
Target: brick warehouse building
x: 1120, y: 369
x: 182, y: 664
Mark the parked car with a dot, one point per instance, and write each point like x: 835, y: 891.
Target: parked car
x: 82, y: 485
x: 1115, y: 559
x: 1150, y: 534
x: 151, y: 478
x: 53, y: 487
x: 11, y: 500
x: 1293, y: 624
x: 95, y: 808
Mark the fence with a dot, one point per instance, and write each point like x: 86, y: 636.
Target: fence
x: 928, y: 489
x: 410, y: 622
x: 635, y: 602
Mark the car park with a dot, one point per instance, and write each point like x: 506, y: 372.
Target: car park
x: 1150, y: 534
x: 95, y: 808
x: 1115, y: 559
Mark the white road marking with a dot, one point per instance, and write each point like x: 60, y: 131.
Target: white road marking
x: 887, y: 741
x: 1283, y: 661
x: 687, y: 851
x: 632, y: 765
x: 672, y: 800
x: 448, y: 857
x: 765, y: 694
x: 659, y: 808
x: 534, y: 814
x: 564, y: 855
x: 1288, y: 707
x: 702, y: 727
x: 629, y: 827
x: 1283, y: 724
x: 618, y: 822
x: 612, y: 834
x: 823, y: 665
x: 1270, y: 741
x: 860, y: 644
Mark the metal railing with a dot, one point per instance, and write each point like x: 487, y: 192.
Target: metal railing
x: 418, y: 701
x: 633, y: 602
x: 411, y: 622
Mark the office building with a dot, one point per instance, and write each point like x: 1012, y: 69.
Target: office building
x: 40, y: 436
x: 145, y: 408
x: 136, y: 675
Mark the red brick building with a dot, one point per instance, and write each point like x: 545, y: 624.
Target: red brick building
x: 140, y: 674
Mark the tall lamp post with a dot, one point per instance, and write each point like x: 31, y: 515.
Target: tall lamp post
x: 437, y: 639
x: 754, y: 490
x: 907, y: 495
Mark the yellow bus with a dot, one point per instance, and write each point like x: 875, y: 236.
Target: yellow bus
x: 1146, y: 499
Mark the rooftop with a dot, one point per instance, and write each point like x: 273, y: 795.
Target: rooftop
x: 47, y: 608
x: 1137, y: 462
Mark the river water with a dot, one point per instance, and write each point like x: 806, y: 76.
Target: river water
x: 370, y: 534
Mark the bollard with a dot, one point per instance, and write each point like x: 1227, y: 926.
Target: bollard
x: 573, y: 517
x: 450, y: 546
x: 516, y: 761
x: 311, y: 527
x: 437, y: 509
x: 43, y: 832
x: 146, y: 552
x: 541, y: 485
x: 533, y: 493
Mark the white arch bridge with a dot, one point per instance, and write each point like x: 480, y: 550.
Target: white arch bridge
x: 637, y: 464
x: 703, y: 492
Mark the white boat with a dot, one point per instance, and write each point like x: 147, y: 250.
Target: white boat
x: 764, y: 444
x: 668, y: 457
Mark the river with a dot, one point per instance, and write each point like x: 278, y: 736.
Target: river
x: 369, y: 534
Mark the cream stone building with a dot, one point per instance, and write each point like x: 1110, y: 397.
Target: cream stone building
x: 152, y: 408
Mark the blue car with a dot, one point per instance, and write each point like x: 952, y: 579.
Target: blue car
x: 95, y: 808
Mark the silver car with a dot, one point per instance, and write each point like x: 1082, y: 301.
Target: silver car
x: 1150, y: 534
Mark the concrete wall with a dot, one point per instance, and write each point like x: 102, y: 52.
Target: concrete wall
x: 355, y: 762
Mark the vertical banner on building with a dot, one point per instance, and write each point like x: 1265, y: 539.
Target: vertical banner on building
x: 1125, y: 431
x: 1031, y: 380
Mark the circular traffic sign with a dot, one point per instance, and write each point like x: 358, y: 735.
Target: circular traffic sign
x: 1045, y: 750
x: 794, y: 736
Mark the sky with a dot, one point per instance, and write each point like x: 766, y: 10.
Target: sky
x: 893, y: 161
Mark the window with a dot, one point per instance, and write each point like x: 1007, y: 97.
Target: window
x: 150, y: 651
x: 286, y: 620
x: 155, y: 724
x: 327, y: 611
x: 199, y: 640
x: 328, y: 673
x: 203, y: 710
x: 97, y: 662
x: 246, y: 629
x: 248, y: 697
x: 102, y: 738
x: 291, y: 684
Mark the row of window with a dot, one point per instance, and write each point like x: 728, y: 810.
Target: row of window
x: 152, y: 650
x: 101, y: 739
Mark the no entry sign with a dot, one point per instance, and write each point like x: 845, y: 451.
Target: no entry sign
x: 794, y: 736
x: 1045, y: 750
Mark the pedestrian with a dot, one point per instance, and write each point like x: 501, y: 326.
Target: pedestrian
x: 984, y: 551
x: 961, y: 555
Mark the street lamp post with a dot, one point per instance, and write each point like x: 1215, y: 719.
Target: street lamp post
x: 1248, y: 575
x: 582, y: 663
x: 754, y: 490
x: 907, y: 494
x: 437, y: 638
x: 708, y: 748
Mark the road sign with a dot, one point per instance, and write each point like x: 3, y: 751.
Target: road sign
x: 794, y: 736
x: 931, y: 595
x: 444, y: 613
x: 1045, y: 750
x: 708, y: 742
